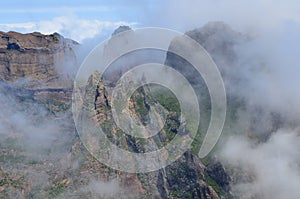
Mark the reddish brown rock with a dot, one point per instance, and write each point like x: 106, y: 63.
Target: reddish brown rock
x: 40, y: 64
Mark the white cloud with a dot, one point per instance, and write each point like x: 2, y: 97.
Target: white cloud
x: 25, y: 26
x: 69, y: 26
x: 274, y: 166
x: 243, y: 14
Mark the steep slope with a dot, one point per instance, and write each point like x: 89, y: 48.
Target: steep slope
x: 37, y: 65
x: 41, y: 155
x: 186, y: 178
x: 36, y: 129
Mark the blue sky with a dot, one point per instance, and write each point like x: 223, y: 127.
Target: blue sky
x: 84, y: 19
x: 22, y: 11
x: 91, y: 17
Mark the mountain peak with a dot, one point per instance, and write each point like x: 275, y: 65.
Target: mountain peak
x: 121, y: 29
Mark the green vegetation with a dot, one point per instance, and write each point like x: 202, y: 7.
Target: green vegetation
x: 196, y: 144
x: 106, y: 126
x: 16, y: 182
x: 56, y: 189
x: 55, y: 105
x: 140, y: 107
x: 166, y: 98
x: 214, y: 185
x: 41, y: 191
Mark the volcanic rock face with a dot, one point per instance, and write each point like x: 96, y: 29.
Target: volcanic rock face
x: 36, y: 63
x: 185, y: 178
x: 32, y: 69
x: 121, y: 29
x: 33, y: 55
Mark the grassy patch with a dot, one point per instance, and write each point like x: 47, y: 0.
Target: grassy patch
x: 57, y: 188
x: 166, y: 98
x: 106, y: 126
x: 55, y: 105
x: 209, y: 181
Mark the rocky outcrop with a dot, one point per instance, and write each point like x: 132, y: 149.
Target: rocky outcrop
x: 37, y: 64
x: 32, y: 68
x: 185, y: 178
x: 216, y: 171
x: 33, y: 56
x: 121, y: 29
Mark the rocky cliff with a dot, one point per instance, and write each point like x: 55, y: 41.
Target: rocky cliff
x: 188, y: 177
x: 41, y: 155
x: 36, y: 64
